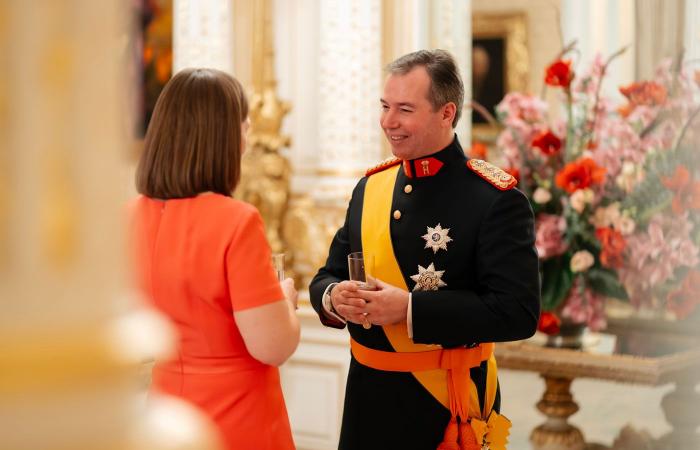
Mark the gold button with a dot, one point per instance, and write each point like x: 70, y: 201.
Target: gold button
x: 408, y: 188
x: 397, y: 214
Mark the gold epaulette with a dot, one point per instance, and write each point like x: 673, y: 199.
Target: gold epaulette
x: 496, y: 176
x: 389, y: 162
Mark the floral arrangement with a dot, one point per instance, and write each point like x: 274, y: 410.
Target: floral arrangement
x: 615, y: 190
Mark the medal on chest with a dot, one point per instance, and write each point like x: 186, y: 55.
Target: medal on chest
x: 437, y: 238
x: 428, y: 279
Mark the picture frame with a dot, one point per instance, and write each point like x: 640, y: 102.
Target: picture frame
x: 500, y: 64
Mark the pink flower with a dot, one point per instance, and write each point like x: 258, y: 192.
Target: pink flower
x: 549, y: 240
x: 528, y: 108
x: 655, y: 254
x: 584, y: 306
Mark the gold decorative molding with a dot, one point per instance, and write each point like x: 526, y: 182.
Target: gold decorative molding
x: 59, y: 216
x: 266, y: 172
x: 4, y: 127
x: 295, y: 226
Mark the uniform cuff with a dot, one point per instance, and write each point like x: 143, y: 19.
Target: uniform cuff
x: 328, y: 306
x: 409, y: 316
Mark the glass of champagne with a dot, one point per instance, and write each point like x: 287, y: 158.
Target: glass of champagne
x: 278, y: 264
x: 361, y: 268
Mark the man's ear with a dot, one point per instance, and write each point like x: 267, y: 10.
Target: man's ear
x: 448, y: 113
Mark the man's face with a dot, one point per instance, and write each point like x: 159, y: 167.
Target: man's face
x: 408, y: 120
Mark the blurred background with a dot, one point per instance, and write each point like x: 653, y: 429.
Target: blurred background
x: 603, y: 93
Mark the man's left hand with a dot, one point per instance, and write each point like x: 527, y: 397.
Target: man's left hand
x: 386, y: 304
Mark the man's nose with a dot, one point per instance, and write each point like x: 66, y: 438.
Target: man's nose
x: 388, y: 120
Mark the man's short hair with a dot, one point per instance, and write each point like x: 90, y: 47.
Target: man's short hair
x: 445, y: 82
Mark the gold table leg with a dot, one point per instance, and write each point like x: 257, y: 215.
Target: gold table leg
x: 557, y: 403
x: 681, y: 410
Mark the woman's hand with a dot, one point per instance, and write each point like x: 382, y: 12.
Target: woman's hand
x: 290, y: 293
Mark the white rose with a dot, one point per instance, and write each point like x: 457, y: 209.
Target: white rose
x: 581, y: 261
x: 578, y: 200
x: 541, y: 196
x: 628, y: 168
x: 625, y: 225
x: 612, y: 213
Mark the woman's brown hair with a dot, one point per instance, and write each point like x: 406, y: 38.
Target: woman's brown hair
x: 193, y: 143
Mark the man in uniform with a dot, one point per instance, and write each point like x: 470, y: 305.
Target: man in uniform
x: 455, y: 270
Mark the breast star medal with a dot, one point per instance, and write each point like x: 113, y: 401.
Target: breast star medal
x: 437, y: 238
x: 428, y: 279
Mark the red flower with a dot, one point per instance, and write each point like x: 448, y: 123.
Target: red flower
x: 687, y: 191
x: 683, y: 301
x: 478, y: 151
x: 559, y: 73
x: 579, y: 175
x: 514, y: 171
x: 547, y: 142
x: 549, y: 323
x: 613, y: 244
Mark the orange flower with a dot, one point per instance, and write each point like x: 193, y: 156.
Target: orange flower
x: 648, y: 93
x: 683, y: 301
x: 514, y: 171
x: 549, y: 323
x: 478, y: 151
x: 547, y: 142
x: 613, y: 244
x: 580, y: 174
x: 687, y: 191
x: 559, y: 73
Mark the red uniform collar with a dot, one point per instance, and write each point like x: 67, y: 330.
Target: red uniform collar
x: 422, y: 167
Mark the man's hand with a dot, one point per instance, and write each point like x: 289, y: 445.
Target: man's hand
x: 347, y: 303
x: 386, y: 305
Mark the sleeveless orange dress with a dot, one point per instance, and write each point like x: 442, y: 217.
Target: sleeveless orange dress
x: 198, y: 260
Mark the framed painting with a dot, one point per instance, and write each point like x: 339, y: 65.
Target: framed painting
x: 153, y: 52
x: 500, y: 64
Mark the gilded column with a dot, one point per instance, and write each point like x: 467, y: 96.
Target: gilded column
x: 203, y: 34
x: 71, y: 337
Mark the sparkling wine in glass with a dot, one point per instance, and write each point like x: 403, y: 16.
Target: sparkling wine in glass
x: 361, y: 269
x: 278, y: 264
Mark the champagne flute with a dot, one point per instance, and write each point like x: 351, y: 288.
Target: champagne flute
x: 361, y: 267
x: 278, y: 264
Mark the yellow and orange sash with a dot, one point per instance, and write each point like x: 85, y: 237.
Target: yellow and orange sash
x: 457, y: 393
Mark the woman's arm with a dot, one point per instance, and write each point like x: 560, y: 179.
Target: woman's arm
x: 271, y: 331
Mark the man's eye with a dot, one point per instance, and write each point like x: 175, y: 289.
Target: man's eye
x: 385, y: 107
x: 406, y: 110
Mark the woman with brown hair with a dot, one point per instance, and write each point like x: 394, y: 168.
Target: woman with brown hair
x: 202, y: 258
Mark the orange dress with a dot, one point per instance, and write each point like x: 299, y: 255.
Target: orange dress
x: 199, y: 260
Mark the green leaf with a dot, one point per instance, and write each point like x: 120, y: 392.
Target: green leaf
x: 556, y: 282
x: 605, y: 282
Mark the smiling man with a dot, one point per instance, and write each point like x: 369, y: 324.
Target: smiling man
x: 455, y: 271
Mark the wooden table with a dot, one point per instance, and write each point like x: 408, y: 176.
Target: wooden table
x: 631, y: 357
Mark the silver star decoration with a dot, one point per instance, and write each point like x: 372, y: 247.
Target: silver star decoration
x: 428, y: 279
x: 437, y: 238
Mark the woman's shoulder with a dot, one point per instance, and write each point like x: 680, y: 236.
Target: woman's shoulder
x: 224, y: 204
